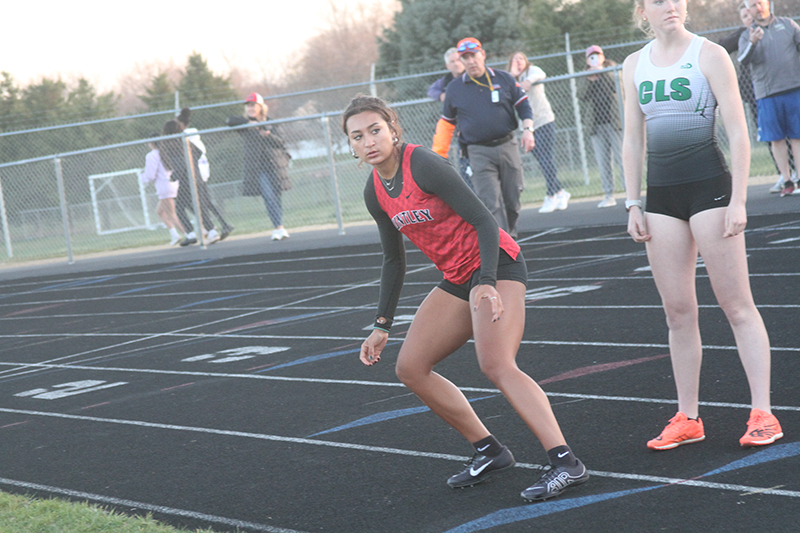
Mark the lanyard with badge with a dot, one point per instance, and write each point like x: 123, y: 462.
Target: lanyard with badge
x: 495, y: 92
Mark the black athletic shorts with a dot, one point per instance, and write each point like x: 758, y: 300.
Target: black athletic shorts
x: 687, y: 199
x: 507, y: 269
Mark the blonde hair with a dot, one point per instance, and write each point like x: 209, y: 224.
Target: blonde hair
x: 511, y: 61
x: 640, y: 21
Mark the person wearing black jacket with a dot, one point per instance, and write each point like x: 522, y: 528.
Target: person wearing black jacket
x: 266, y: 161
x: 173, y: 156
x: 202, y: 167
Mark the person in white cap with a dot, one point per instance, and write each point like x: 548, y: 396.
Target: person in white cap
x: 266, y: 161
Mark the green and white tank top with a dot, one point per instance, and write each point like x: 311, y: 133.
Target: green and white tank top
x: 680, y: 115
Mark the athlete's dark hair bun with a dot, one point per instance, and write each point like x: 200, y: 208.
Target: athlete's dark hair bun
x: 185, y: 116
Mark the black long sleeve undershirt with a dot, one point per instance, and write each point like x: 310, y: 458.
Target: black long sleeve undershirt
x: 434, y: 175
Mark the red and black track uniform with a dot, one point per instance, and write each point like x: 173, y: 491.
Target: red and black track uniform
x: 431, y: 205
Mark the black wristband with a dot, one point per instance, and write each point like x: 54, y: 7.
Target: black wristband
x: 383, y: 324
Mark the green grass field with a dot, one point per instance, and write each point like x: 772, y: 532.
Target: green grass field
x: 23, y: 514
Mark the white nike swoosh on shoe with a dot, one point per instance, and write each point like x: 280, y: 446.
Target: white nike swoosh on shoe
x: 473, y: 472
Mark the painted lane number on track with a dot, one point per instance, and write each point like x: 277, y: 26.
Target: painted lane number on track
x: 69, y: 389
x: 236, y: 354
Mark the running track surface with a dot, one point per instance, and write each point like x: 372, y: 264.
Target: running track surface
x: 226, y: 392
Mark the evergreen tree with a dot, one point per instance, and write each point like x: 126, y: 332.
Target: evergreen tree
x: 45, y: 102
x: 424, y: 29
x: 84, y: 104
x: 10, y: 106
x: 160, y: 95
x: 201, y: 86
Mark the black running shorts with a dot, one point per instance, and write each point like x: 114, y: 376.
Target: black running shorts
x: 507, y: 269
x: 687, y: 199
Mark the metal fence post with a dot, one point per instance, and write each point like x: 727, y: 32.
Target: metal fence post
x: 6, y: 231
x: 576, y: 110
x: 334, y: 181
x: 62, y: 195
x: 190, y: 174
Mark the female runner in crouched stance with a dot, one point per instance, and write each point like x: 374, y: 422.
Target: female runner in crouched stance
x: 414, y: 192
x: 694, y: 203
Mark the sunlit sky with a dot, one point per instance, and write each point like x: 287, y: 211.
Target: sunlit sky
x: 103, y: 40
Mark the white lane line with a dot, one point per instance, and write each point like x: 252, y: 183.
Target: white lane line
x: 368, y: 307
x: 148, y: 336
x: 383, y: 449
x: 145, y: 506
x: 266, y: 377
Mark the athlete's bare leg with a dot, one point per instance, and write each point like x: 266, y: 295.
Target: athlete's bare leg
x: 441, y: 325
x: 726, y: 264
x: 672, y: 254
x: 497, y: 344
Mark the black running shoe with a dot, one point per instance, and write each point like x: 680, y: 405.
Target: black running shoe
x: 555, y: 481
x: 480, y: 467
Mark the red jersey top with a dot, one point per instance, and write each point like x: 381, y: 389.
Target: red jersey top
x: 434, y: 227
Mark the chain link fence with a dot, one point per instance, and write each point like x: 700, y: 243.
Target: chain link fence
x: 92, y: 200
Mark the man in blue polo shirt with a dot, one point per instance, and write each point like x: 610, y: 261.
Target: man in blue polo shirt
x: 486, y: 103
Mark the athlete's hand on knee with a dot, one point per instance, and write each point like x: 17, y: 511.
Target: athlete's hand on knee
x: 636, y: 226
x: 488, y: 295
x: 372, y: 347
x: 735, y: 220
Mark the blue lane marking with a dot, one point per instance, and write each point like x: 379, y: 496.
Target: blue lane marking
x: 212, y: 300
x: 140, y: 289
x: 517, y: 514
x: 388, y: 415
x: 374, y: 419
x: 184, y: 265
x: 312, y: 359
x: 773, y: 453
x: 536, y: 510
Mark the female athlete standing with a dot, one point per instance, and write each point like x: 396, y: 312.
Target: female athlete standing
x: 414, y: 192
x: 694, y: 203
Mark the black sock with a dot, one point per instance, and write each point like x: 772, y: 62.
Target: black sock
x: 562, y: 456
x: 489, y: 446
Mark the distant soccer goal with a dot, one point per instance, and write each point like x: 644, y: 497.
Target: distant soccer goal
x: 119, y: 202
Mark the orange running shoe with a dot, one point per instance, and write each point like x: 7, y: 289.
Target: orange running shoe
x: 762, y: 428
x: 680, y: 430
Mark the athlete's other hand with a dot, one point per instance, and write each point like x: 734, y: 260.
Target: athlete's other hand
x: 487, y: 295
x: 636, y: 226
x: 372, y: 347
x: 735, y: 219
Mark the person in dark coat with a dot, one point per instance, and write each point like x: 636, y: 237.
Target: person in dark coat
x: 266, y: 161
x: 173, y: 156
